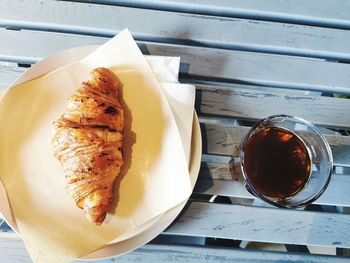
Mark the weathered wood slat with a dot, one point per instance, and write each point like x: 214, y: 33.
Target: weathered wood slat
x: 223, y: 140
x: 12, y: 251
x: 231, y: 33
x: 31, y: 46
x: 330, y: 13
x: 264, y: 224
x: 215, y: 179
x: 340, y: 149
x: 261, y: 69
x: 172, y: 253
x: 254, y: 104
x: 236, y: 66
x: 251, y: 104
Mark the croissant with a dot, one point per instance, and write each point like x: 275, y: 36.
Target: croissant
x: 88, y: 143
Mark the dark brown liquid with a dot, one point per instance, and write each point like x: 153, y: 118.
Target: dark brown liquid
x: 276, y: 162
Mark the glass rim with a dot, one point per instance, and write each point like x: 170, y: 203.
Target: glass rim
x: 256, y: 193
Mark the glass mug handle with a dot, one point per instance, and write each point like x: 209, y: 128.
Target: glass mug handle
x: 236, y: 171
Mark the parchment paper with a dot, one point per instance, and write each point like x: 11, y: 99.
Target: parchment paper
x: 155, y: 175
x: 181, y: 99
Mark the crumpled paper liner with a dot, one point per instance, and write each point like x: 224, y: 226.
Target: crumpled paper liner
x: 153, y: 180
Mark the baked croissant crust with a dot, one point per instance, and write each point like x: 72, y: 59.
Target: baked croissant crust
x: 88, y: 143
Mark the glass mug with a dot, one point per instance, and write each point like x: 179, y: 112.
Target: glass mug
x: 284, y: 160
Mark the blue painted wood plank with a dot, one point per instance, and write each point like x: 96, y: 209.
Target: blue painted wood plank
x: 327, y: 13
x: 260, y: 224
x: 260, y: 69
x: 12, y: 251
x: 218, y: 64
x: 254, y: 104
x: 189, y: 29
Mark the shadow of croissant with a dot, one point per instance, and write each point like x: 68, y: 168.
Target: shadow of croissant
x: 129, y: 139
x: 143, y: 115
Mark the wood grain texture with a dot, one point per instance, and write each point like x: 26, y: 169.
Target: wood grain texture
x: 255, y: 104
x: 12, y: 251
x: 206, y: 63
x: 261, y: 69
x: 223, y: 32
x: 216, y: 179
x: 223, y: 140
x: 329, y: 13
x: 31, y: 46
x: 264, y: 224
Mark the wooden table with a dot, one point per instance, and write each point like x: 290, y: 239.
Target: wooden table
x: 248, y: 60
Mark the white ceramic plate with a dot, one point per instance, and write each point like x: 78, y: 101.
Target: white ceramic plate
x: 150, y: 229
